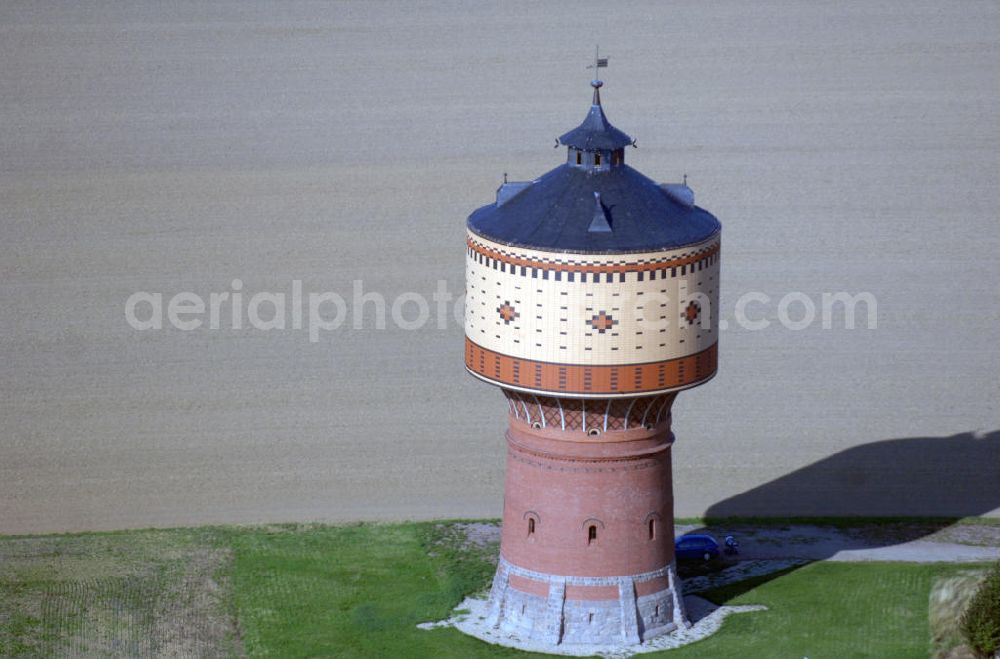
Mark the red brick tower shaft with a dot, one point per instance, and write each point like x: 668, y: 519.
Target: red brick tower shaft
x: 588, y: 512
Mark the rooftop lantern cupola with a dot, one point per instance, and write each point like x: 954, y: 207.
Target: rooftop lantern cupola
x: 595, y: 145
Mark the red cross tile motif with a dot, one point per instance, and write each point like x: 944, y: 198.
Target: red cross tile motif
x: 602, y: 322
x: 691, y: 312
x: 507, y: 312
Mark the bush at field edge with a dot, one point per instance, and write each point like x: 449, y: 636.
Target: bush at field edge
x: 981, y: 621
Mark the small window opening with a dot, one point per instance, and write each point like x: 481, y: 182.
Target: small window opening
x: 590, y: 617
x: 593, y: 432
x: 652, y: 529
x: 531, y: 526
x: 523, y: 608
x: 657, y: 613
x: 591, y: 534
x: 597, y: 160
x: 579, y: 158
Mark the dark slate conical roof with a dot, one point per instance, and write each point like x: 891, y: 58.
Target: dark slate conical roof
x: 556, y: 212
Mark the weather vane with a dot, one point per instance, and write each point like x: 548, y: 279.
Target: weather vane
x: 599, y: 62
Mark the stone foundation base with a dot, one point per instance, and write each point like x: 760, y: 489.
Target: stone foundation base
x: 470, y: 618
x: 559, y: 610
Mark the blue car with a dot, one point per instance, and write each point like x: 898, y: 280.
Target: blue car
x: 696, y: 546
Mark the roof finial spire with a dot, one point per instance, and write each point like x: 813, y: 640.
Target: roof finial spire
x: 599, y: 63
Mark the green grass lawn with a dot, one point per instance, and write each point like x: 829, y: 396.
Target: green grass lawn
x: 359, y: 591
x: 355, y: 591
x: 828, y: 610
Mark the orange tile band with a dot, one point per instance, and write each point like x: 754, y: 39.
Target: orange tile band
x: 582, y: 267
x: 596, y: 381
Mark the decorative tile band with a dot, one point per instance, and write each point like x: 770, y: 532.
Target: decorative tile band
x: 591, y: 414
x: 584, y: 581
x: 580, y: 466
x: 594, y: 381
x: 496, y: 257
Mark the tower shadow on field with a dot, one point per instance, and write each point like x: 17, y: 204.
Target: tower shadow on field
x: 906, y: 488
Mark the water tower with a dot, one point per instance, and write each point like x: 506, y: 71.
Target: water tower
x: 591, y: 301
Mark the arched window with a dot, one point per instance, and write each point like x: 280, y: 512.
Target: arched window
x: 652, y: 521
x: 531, y: 517
x: 591, y: 524
x: 597, y: 159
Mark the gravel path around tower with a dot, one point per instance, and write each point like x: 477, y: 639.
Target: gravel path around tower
x: 875, y: 542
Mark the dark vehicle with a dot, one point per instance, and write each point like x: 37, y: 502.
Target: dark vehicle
x: 695, y: 546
